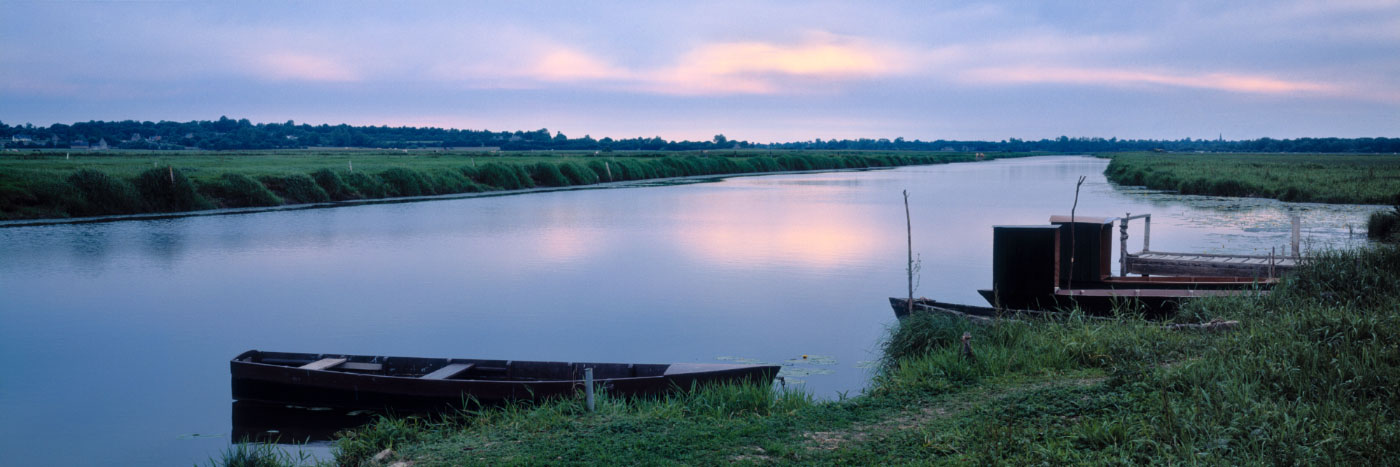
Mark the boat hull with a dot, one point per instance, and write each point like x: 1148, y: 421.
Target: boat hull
x: 400, y: 383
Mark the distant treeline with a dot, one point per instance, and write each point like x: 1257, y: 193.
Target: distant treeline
x: 226, y: 133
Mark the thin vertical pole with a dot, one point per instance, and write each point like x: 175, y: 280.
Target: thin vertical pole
x: 909, y: 230
x: 588, y: 387
x: 1271, y: 261
x: 1296, y: 228
x: 1069, y: 281
x: 1146, y: 233
x: 1123, y: 245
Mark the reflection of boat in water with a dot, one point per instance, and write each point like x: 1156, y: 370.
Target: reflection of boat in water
x: 1069, y: 264
x: 279, y: 423
x: 412, y: 383
x: 902, y: 308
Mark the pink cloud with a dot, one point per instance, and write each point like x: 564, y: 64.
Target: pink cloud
x: 769, y: 68
x: 1230, y: 82
x: 572, y: 65
x: 715, y: 68
x: 302, y: 67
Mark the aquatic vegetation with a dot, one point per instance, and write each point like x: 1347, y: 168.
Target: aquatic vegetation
x: 811, y: 360
x: 577, y: 174
x: 367, y: 185
x: 249, y: 454
x: 547, y: 174
x: 404, y: 181
x: 296, y: 188
x: 334, y: 185
x: 1385, y: 225
x: 1324, y: 178
x: 168, y: 190
x: 499, y: 176
x: 53, y: 185
x: 236, y: 190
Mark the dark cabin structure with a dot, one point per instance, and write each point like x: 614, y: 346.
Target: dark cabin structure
x: 1069, y: 263
x: 1087, y: 248
x: 1025, y: 266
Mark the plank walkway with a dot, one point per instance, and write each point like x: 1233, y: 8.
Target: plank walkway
x: 1203, y: 264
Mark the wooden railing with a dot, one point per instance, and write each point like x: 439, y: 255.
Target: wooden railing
x: 1147, y: 238
x: 1123, y: 238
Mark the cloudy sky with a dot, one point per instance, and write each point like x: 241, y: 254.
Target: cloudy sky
x: 761, y: 71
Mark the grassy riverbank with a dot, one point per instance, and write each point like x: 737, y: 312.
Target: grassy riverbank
x: 1325, y: 178
x: 61, y: 184
x: 1308, y: 378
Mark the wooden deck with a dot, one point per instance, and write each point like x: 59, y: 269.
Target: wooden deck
x: 1201, y: 264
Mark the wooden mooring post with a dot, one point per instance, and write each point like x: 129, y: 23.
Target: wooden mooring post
x: 1297, y: 224
x: 588, y: 387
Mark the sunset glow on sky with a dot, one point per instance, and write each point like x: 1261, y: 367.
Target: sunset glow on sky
x: 758, y: 71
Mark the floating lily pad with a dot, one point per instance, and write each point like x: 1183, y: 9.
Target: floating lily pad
x: 803, y: 371
x: 200, y: 435
x: 811, y: 360
x: 867, y: 363
x: 742, y: 360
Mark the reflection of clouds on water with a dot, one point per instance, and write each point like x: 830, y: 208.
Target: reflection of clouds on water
x: 744, y: 228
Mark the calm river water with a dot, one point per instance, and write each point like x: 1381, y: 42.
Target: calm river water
x: 116, y: 336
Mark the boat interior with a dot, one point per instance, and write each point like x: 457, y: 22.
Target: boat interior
x: 452, y: 368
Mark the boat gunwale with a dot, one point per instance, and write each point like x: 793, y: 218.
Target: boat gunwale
x: 716, y: 368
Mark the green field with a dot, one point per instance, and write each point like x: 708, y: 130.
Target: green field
x: 1325, y: 178
x: 61, y: 184
x: 1308, y: 378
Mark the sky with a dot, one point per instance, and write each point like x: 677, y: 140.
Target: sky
x: 751, y: 70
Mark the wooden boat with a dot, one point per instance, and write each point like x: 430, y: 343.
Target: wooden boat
x: 901, y: 308
x: 928, y: 305
x: 412, y: 383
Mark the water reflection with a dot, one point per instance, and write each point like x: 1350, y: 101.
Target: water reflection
x: 817, y: 236
x: 283, y: 424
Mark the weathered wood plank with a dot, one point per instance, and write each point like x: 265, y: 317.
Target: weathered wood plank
x: 323, y: 364
x: 357, y: 366
x: 448, y: 371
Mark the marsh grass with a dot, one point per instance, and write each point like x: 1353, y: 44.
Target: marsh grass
x: 296, y: 188
x: 104, y: 193
x: 1385, y: 225
x: 237, y: 190
x: 358, y: 446
x: 501, y: 176
x: 1324, y: 178
x: 168, y: 189
x: 367, y: 185
x: 51, y: 185
x: 334, y: 185
x: 578, y: 174
x: 402, y: 181
x: 547, y: 174
x: 253, y: 454
x: 1308, y: 379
